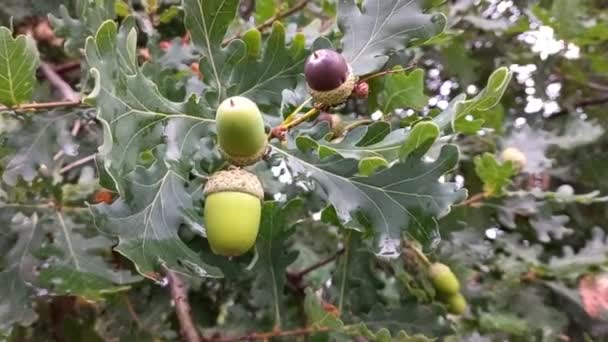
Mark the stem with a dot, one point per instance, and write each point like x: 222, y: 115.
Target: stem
x: 43, y: 105
x: 385, y: 72
x: 132, y: 312
x: 268, y: 335
x: 473, y: 199
x: 319, y: 264
x: 312, y: 112
x: 288, y: 124
x: 179, y: 294
x: 66, y: 91
x: 356, y: 124
x: 76, y: 163
x: 421, y: 256
x: 297, y: 7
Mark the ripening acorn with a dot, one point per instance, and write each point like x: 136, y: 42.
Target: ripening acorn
x: 515, y: 156
x: 240, y: 131
x: 456, y: 304
x: 233, y: 208
x: 443, y: 279
x: 329, y: 77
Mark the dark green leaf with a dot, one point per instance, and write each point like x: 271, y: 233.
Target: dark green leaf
x: 18, y: 63
x: 380, y: 27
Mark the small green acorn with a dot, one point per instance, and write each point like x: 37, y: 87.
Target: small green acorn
x: 443, y: 279
x: 329, y: 77
x: 456, y: 304
x: 240, y: 131
x: 233, y: 208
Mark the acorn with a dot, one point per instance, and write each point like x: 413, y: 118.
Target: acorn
x: 444, y: 280
x: 456, y: 304
x: 514, y: 155
x: 329, y: 77
x: 240, y: 131
x: 233, y: 208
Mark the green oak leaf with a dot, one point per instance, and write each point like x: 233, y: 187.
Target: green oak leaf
x: 357, y: 284
x: 377, y: 28
x: 459, y: 108
x: 412, y: 317
x: 400, y: 90
x: 155, y: 198
x: 38, y: 138
x: 378, y: 141
x: 372, y: 330
x: 572, y: 264
x: 494, y: 175
x: 238, y: 68
x: 18, y: 265
x: 18, y: 64
x: 88, y: 17
x: 393, y: 200
x: 78, y: 266
x: 274, y: 256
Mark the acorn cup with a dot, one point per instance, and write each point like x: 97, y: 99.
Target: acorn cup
x: 329, y: 77
x: 240, y: 131
x: 233, y: 208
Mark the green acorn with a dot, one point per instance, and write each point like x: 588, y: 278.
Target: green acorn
x: 456, y: 304
x: 329, y: 77
x: 233, y: 208
x: 240, y: 131
x: 443, y: 279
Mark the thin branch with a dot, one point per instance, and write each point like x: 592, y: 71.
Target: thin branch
x: 76, y: 163
x: 472, y: 200
x: 268, y: 335
x: 319, y: 264
x: 286, y: 125
x: 42, y: 105
x: 132, y: 312
x: 582, y: 104
x: 179, y: 294
x: 385, y: 72
x: 66, y: 91
x: 297, y: 7
x: 356, y: 124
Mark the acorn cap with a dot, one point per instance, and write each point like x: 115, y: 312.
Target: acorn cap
x: 325, y: 70
x: 237, y: 180
x: 335, y: 96
x: 245, y: 160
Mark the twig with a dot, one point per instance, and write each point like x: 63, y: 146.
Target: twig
x: 297, y: 7
x: 316, y: 265
x: 356, y: 124
x: 582, y: 104
x: 286, y: 125
x: 179, y: 294
x: 268, y: 335
x: 42, y: 105
x: 132, y: 312
x: 77, y: 163
x: 66, y: 91
x: 473, y: 199
x: 385, y: 72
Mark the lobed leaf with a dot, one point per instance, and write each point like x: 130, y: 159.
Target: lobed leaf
x: 18, y: 64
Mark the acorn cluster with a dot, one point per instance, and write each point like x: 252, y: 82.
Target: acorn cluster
x: 448, y: 288
x: 233, y: 198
